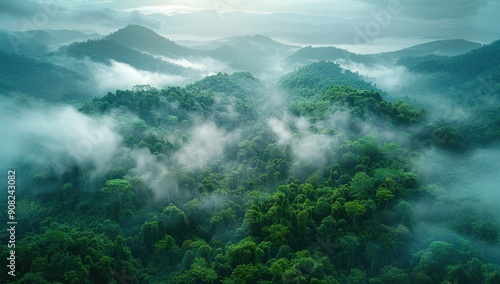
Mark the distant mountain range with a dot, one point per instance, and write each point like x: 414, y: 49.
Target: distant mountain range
x: 38, y: 42
x: 474, y: 63
x: 144, y: 49
x: 440, y: 47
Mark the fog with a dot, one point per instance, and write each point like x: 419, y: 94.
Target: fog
x: 54, y: 138
x: 464, y: 184
x: 121, y: 76
x: 206, y: 66
x: 205, y: 145
x: 306, y: 146
x: 61, y: 135
x: 386, y: 77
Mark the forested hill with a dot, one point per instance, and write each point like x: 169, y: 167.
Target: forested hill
x: 141, y: 38
x: 469, y: 65
x: 104, y: 51
x: 441, y: 47
x: 310, y: 80
x: 229, y: 180
x: 28, y: 75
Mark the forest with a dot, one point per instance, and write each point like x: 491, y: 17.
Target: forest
x: 227, y: 180
x: 249, y: 161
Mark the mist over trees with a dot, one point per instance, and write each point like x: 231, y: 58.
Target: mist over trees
x: 263, y: 163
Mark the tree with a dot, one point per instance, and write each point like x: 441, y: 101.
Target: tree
x: 361, y: 184
x: 393, y: 275
x: 31, y: 210
x: 245, y: 274
x: 349, y: 243
x: 200, y: 272
x: 278, y: 234
x: 384, y: 195
x: 354, y: 209
x: 244, y: 252
x: 118, y: 189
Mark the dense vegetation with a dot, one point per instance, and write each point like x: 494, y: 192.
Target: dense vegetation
x: 469, y: 82
x: 28, y: 75
x: 312, y: 79
x: 309, y: 191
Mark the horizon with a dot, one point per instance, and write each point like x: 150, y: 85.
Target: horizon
x: 359, y: 26
x: 381, y: 45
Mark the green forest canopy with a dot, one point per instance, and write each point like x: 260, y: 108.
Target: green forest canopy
x: 258, y: 213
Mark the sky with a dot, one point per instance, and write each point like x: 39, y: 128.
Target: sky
x: 336, y: 21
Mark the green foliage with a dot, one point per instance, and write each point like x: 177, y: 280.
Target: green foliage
x: 19, y: 73
x: 313, y: 79
x: 263, y: 211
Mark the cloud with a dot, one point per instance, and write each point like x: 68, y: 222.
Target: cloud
x: 307, y: 146
x: 281, y: 130
x: 461, y: 186
x: 56, y: 136
x: 206, y: 144
x: 122, y: 76
x: 433, y: 10
x: 27, y: 8
x: 109, y: 17
x: 388, y: 78
x: 207, y: 66
x: 153, y: 172
x: 474, y: 176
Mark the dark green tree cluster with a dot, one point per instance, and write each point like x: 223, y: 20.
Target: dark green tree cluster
x: 312, y: 79
x: 19, y: 73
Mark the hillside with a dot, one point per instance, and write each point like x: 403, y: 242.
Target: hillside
x: 31, y: 76
x: 476, y: 62
x: 38, y: 42
x: 144, y: 39
x: 253, y: 43
x: 105, y: 50
x: 316, y: 77
x: 441, y: 47
x: 310, y: 54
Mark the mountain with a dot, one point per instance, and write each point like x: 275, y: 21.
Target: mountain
x: 144, y: 39
x: 477, y: 62
x: 289, y: 27
x: 434, y: 48
x: 104, y: 51
x: 17, y: 43
x: 40, y: 79
x: 246, y: 53
x: 442, y: 47
x: 254, y: 42
x: 310, y: 54
x: 38, y: 42
x: 312, y: 79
